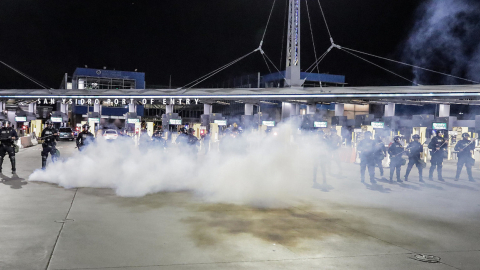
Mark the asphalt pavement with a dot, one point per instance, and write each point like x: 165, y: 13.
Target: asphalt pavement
x: 341, y: 224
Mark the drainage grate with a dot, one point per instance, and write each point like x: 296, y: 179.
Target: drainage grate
x: 426, y: 258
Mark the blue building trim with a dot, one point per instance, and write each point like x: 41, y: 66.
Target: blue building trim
x: 139, y: 77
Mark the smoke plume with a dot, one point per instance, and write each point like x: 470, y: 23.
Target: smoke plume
x: 445, y: 38
x: 261, y: 169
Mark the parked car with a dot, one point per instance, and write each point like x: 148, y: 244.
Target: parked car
x: 66, y: 133
x: 110, y: 134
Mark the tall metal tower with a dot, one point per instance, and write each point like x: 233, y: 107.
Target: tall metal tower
x: 293, y: 45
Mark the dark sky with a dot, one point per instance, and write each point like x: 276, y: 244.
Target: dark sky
x: 187, y: 39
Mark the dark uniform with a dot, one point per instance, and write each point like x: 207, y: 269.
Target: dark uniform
x: 49, y: 136
x: 414, y: 149
x: 321, y: 159
x: 367, y: 157
x: 380, y: 153
x: 438, y: 145
x: 396, y: 161
x: 206, y: 141
x: 7, y: 135
x: 335, y: 142
x: 182, y: 138
x: 158, y: 139
x: 465, y: 148
x: 192, y: 142
x: 84, y: 138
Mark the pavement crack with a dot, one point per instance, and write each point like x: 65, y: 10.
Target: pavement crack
x: 61, y: 229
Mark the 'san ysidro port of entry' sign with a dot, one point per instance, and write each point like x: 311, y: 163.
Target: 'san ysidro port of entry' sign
x: 439, y: 126
x: 378, y: 124
x: 133, y: 120
x: 268, y: 123
x: 175, y: 121
x: 20, y: 119
x: 220, y: 122
x: 94, y: 120
x: 56, y: 119
x: 320, y: 124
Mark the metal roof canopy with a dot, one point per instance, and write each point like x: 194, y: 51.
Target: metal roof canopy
x: 416, y: 95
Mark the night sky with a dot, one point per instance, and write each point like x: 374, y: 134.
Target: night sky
x: 187, y: 39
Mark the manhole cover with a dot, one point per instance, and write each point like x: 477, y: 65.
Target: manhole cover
x: 426, y: 258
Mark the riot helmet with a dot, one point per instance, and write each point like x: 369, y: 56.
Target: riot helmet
x: 49, y: 123
x: 191, y: 131
x: 396, y: 138
x: 183, y: 130
x: 85, y: 127
x: 416, y: 136
x: 465, y: 135
x: 440, y: 132
x: 7, y: 124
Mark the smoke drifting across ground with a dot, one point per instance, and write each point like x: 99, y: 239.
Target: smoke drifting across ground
x: 260, y: 170
x: 446, y: 38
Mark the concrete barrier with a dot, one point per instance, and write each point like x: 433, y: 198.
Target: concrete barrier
x: 26, y: 142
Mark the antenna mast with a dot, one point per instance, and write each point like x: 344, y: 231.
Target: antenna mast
x: 292, y: 75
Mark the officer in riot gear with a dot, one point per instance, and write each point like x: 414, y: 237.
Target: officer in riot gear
x: 182, y: 138
x: 380, y: 152
x: 465, y: 148
x: 366, y: 147
x: 414, y: 149
x: 396, y: 161
x: 158, y: 140
x: 335, y: 142
x: 206, y: 141
x: 49, y: 137
x: 438, y: 145
x: 192, y: 141
x: 8, y: 136
x: 321, y: 159
x: 84, y: 138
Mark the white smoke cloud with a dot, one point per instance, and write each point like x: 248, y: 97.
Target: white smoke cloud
x: 446, y: 38
x: 266, y: 174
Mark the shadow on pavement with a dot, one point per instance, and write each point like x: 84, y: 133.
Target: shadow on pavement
x: 377, y: 187
x: 431, y: 186
x: 14, y: 182
x: 408, y: 186
x: 459, y: 186
x: 325, y: 187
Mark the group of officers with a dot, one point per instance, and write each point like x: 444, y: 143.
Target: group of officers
x: 8, y: 138
x: 50, y: 137
x: 373, y: 151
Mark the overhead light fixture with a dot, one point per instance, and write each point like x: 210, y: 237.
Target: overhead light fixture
x: 268, y: 102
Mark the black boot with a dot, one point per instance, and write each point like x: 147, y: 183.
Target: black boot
x: 44, y: 162
x: 407, y: 173
x: 470, y: 175
x: 1, y: 163
x: 12, y: 160
x: 440, y: 178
